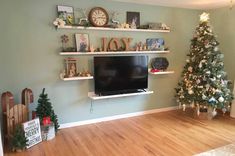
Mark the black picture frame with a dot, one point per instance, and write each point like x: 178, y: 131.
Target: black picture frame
x: 133, y: 18
x: 66, y: 13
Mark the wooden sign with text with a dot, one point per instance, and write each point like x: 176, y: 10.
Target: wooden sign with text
x: 32, y: 132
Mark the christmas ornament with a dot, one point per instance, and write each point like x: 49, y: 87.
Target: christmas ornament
x: 216, y: 49
x: 190, y: 92
x: 211, y: 100
x: 204, y: 96
x: 190, y: 69
x: 198, y: 81
x: 46, y: 121
x: 221, y: 99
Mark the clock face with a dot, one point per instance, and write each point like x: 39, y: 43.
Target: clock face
x: 98, y: 17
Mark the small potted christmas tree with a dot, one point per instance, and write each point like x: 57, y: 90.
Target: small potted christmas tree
x: 18, y: 141
x: 44, y: 109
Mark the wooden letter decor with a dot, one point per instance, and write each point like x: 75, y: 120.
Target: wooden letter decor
x: 104, y: 43
x: 127, y: 42
x: 114, y: 44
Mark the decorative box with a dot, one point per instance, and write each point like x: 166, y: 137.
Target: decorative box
x: 48, y: 132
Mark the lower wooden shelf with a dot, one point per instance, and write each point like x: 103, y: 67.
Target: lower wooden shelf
x: 77, y: 78
x: 93, y: 96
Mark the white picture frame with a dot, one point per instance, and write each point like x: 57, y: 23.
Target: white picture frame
x: 82, y: 42
x: 66, y: 13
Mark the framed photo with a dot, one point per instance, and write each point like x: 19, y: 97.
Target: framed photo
x: 133, y: 19
x: 71, y: 67
x: 66, y: 14
x: 155, y: 43
x: 82, y: 42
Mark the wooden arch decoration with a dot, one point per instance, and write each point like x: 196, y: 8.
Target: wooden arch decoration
x: 14, y: 114
x: 7, y: 101
x: 27, y: 99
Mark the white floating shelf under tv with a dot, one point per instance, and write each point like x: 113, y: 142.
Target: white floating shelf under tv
x: 111, y: 29
x: 93, y: 96
x: 161, y: 72
x: 77, y: 78
x: 114, y: 53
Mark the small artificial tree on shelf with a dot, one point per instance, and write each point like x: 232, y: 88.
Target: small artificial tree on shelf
x: 18, y: 141
x: 44, y: 109
x: 204, y: 83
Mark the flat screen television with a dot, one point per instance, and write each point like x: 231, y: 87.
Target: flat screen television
x: 120, y: 74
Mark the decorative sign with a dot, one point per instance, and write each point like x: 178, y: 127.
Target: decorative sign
x: 32, y: 132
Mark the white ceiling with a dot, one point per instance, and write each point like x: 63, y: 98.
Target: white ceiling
x: 190, y: 4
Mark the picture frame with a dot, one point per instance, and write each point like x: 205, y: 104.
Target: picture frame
x: 133, y: 19
x: 82, y: 42
x: 66, y: 13
x: 155, y: 44
x: 71, y: 67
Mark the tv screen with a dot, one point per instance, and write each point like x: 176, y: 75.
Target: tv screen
x: 118, y: 74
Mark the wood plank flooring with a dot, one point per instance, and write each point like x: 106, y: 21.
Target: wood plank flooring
x: 163, y: 134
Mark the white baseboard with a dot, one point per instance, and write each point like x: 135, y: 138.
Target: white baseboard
x: 109, y: 118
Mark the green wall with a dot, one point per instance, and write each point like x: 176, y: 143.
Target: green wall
x: 29, y: 56
x: 223, y: 23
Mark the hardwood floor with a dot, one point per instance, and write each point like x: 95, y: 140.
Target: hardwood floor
x: 164, y: 134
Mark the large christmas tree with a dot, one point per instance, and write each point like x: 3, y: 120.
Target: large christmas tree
x: 204, y: 82
x: 44, y: 109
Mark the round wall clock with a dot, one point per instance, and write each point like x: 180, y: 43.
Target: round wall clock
x: 98, y: 17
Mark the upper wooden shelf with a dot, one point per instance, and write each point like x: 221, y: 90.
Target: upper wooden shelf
x: 114, y: 53
x: 112, y: 29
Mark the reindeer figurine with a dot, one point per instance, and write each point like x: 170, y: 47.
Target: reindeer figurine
x: 113, y: 20
x: 84, y: 20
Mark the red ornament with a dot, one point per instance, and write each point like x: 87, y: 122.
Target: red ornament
x: 46, y: 121
x: 154, y: 70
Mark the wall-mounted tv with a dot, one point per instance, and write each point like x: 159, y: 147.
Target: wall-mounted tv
x: 120, y: 74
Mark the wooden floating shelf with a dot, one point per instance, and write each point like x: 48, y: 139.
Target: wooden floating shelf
x: 112, y: 29
x: 114, y: 53
x: 77, y: 78
x: 161, y: 72
x: 93, y: 96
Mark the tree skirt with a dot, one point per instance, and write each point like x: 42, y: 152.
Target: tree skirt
x: 228, y: 150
